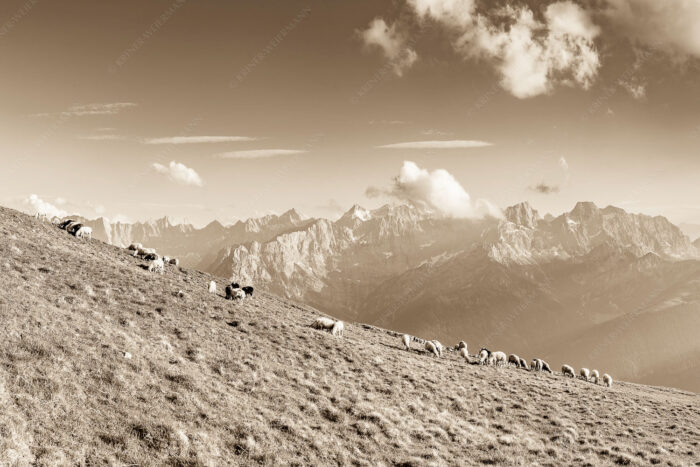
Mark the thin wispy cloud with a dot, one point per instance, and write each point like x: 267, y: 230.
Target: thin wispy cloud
x: 90, y: 110
x: 259, y: 153
x: 198, y: 139
x: 178, y: 173
x: 438, y: 144
x: 102, y: 137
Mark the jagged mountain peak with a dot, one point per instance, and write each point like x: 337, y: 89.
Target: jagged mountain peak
x: 522, y: 214
x: 584, y: 210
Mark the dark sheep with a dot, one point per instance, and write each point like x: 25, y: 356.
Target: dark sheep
x: 65, y: 223
x: 248, y: 290
x: 234, y: 285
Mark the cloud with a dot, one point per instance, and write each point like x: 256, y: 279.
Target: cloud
x: 670, y: 25
x: 102, y: 137
x: 636, y: 89
x: 90, y: 110
x: 531, y: 55
x: 38, y: 205
x: 178, y: 173
x: 198, y: 139
x: 437, y: 190
x: 450, y: 144
x: 259, y: 153
x: 545, y: 189
x: 391, y: 42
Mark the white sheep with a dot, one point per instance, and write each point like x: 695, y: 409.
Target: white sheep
x: 484, y: 355
x: 166, y: 259
x: 212, y: 287
x: 323, y: 323
x: 406, y: 339
x: 337, y: 329
x: 514, y: 359
x: 595, y: 376
x: 157, y: 266
x: 431, y: 347
x: 607, y: 380
x: 463, y: 352
x: 439, y: 346
x: 536, y: 364
x: 135, y: 246
x: 499, y: 357
x: 585, y: 374
x: 568, y: 370
x: 84, y: 232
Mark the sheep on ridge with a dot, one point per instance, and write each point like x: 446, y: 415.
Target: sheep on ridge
x: 499, y: 358
x: 514, y: 359
x: 463, y: 352
x: 337, y: 329
x: 607, y: 380
x: 595, y: 376
x: 157, y: 266
x: 431, y: 347
x: 484, y: 355
x: 406, y: 339
x: 568, y: 370
x: 326, y: 324
x: 84, y: 232
x: 585, y: 374
x: 523, y: 364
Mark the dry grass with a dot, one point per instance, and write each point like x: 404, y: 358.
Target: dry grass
x: 210, y: 382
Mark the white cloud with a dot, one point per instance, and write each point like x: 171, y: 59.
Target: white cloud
x: 636, y: 89
x: 437, y: 190
x: 259, y: 153
x: 102, y: 137
x: 179, y: 173
x: 38, y: 205
x: 90, y: 109
x: 198, y: 139
x: 671, y: 25
x: 531, y: 56
x: 392, y: 43
x: 452, y: 144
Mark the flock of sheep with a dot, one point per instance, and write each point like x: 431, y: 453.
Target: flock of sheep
x: 236, y: 292
x: 486, y: 357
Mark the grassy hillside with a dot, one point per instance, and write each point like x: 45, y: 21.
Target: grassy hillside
x: 103, y: 362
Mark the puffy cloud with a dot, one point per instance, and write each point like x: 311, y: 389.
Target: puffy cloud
x: 531, y: 55
x: 178, y: 173
x: 437, y: 190
x: 671, y: 25
x: 259, y: 153
x: 38, y: 205
x: 451, y: 144
x: 545, y: 189
x: 391, y: 42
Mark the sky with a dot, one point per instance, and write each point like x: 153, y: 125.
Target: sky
x: 203, y: 110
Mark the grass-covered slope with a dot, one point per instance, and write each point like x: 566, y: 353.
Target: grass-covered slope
x: 103, y: 362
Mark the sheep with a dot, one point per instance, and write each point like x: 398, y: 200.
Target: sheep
x: 499, y: 358
x: 461, y: 345
x: 74, y: 227
x: 41, y: 216
x: 523, y: 364
x: 595, y: 376
x: 235, y: 285
x: 567, y: 370
x: 337, y: 329
x: 536, y: 364
x: 607, y: 380
x: 463, y: 352
x: 514, y: 359
x: 135, y: 246
x: 234, y: 294
x: 55, y: 220
x: 585, y: 374
x: 166, y: 259
x: 248, y: 290
x: 212, y: 287
x: 63, y: 225
x: 152, y: 257
x: 157, y: 266
x: 545, y: 367
x: 84, y: 233
x: 431, y: 347
x: 325, y: 324
x: 439, y: 346
x: 406, y: 339
x: 484, y: 355
x: 174, y: 261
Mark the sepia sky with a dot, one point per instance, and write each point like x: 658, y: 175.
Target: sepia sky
x: 206, y: 110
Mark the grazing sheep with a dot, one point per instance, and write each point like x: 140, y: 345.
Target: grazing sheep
x: 585, y: 374
x: 484, y: 355
x: 536, y: 364
x: 595, y: 376
x: 431, y: 347
x: 499, y: 357
x: 337, y: 329
x: 135, y: 247
x: 157, y: 266
x: 174, y: 261
x: 514, y: 359
x: 74, y: 227
x: 567, y: 370
x: 406, y: 339
x: 463, y: 352
x: 523, y: 364
x: 152, y: 257
x: 63, y: 225
x: 55, y: 220
x: 212, y: 287
x: 248, y: 290
x: 84, y: 233
x: 545, y: 367
x: 461, y: 345
x: 607, y: 380
x: 234, y: 294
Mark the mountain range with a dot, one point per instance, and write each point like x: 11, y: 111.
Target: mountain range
x: 581, y: 285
